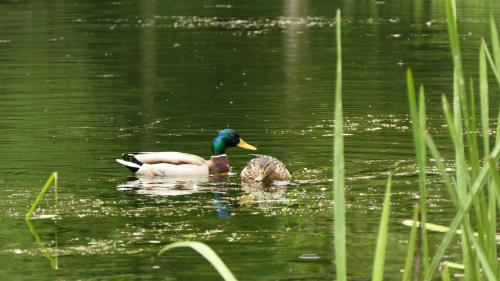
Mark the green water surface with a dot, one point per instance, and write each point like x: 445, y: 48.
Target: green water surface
x: 83, y: 81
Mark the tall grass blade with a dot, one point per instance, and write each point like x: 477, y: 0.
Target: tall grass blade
x: 490, y: 216
x: 495, y: 176
x: 417, y: 117
x: 483, y: 259
x: 207, y: 253
x: 495, y: 43
x: 338, y: 168
x: 457, y: 220
x: 458, y: 76
x: 496, y: 72
x: 483, y: 93
x: 48, y: 184
x: 462, y: 190
x: 497, y: 137
x: 378, y: 265
x: 442, y: 169
x: 411, y: 246
x: 445, y: 274
x: 471, y: 132
x: 422, y: 167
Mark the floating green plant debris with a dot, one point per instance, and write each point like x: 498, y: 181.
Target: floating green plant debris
x: 437, y: 228
x: 207, y: 253
x: 52, y: 180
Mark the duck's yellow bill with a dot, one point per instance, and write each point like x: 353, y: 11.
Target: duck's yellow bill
x: 245, y: 145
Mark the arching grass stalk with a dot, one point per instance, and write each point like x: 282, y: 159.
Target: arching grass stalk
x: 338, y: 168
x: 52, y: 179
x: 207, y: 253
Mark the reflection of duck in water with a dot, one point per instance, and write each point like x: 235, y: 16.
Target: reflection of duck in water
x: 184, y: 164
x: 172, y: 186
x: 162, y: 186
x: 264, y: 196
x: 265, y: 169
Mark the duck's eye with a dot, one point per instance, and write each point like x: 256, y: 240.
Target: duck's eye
x: 232, y: 136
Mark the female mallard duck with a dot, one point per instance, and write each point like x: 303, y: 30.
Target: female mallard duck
x: 184, y: 164
x: 265, y: 169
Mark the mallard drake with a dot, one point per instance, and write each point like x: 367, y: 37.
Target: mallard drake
x: 183, y: 164
x: 265, y: 169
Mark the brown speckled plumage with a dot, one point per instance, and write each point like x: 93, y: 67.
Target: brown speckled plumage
x: 264, y: 168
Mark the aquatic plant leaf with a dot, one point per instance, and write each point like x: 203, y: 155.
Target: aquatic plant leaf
x: 410, y: 255
x: 418, y: 120
x: 207, y: 253
x: 378, y: 265
x: 52, y: 179
x: 476, y: 187
x: 338, y: 168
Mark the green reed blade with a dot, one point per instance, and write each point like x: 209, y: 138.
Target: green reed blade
x: 460, y: 109
x: 445, y: 274
x: 456, y: 138
x: 483, y: 94
x: 378, y: 265
x: 338, y: 168
x: 458, y: 76
x: 410, y: 254
x: 495, y: 43
x: 422, y: 167
x: 462, y: 192
x: 417, y: 117
x: 471, y: 132
x: 457, y: 220
x: 442, y: 169
x: 490, y: 215
x: 485, y: 265
x: 495, y: 177
x: 461, y: 189
x: 497, y: 137
x: 492, y: 64
x: 458, y: 96
x: 48, y: 183
x: 207, y: 253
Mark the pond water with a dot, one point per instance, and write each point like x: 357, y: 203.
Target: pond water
x: 83, y: 82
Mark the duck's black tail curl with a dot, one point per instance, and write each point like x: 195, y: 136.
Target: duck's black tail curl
x: 130, y: 162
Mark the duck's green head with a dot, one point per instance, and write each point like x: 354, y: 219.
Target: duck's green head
x: 228, y: 138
